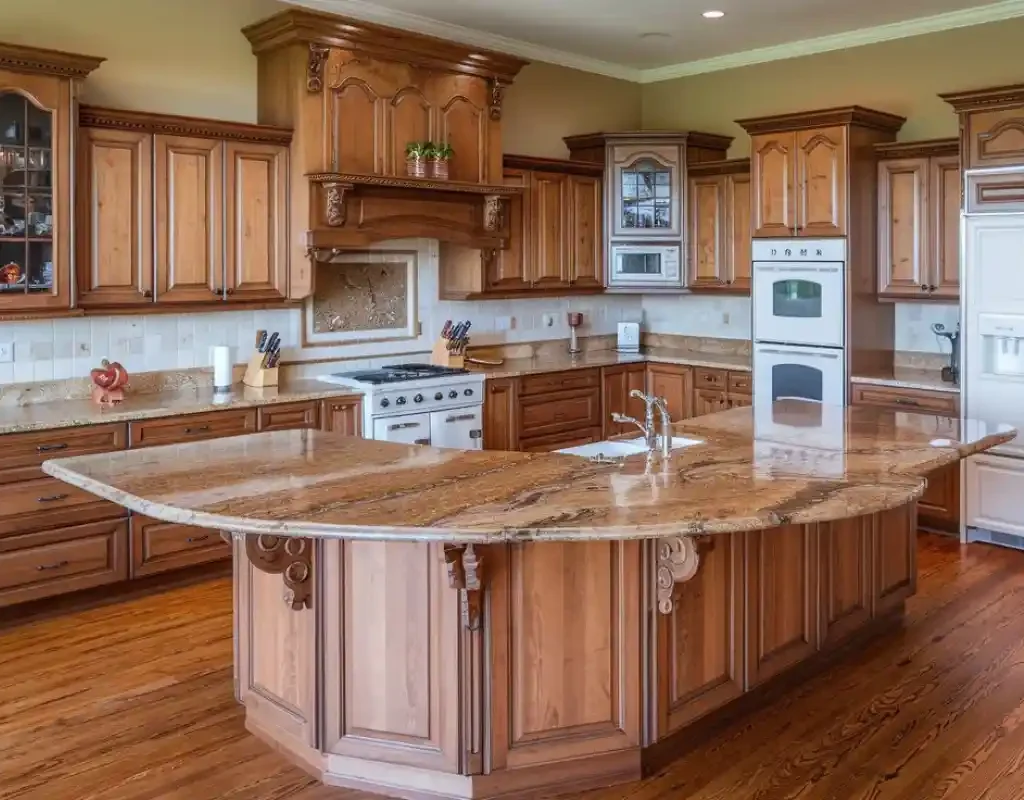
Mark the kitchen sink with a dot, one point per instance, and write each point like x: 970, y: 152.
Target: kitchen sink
x: 623, y: 447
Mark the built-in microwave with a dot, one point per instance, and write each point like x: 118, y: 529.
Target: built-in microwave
x: 646, y: 265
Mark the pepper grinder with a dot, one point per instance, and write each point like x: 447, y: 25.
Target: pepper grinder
x: 575, y: 320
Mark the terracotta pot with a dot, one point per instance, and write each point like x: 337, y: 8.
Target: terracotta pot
x: 416, y: 167
x: 439, y: 168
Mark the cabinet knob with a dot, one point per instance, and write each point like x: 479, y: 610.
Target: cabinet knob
x: 147, y: 293
x: 924, y: 287
x: 231, y: 291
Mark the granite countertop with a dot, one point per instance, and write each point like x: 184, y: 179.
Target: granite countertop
x: 910, y: 378
x: 517, y: 367
x: 807, y: 463
x: 74, y: 413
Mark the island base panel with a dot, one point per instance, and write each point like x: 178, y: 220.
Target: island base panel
x: 431, y: 670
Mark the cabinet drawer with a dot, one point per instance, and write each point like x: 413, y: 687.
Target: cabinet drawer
x: 559, y: 441
x: 47, y: 502
x: 898, y: 399
x: 740, y: 383
x: 560, y: 381
x: 550, y: 413
x: 53, y: 562
x: 709, y: 378
x: 192, y: 428
x: 161, y: 546
x: 287, y: 416
x: 22, y: 453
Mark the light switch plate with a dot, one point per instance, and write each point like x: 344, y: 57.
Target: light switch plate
x: 6, y: 352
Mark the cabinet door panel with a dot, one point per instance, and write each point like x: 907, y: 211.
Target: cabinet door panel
x: 586, y: 244
x: 945, y: 233
x: 895, y: 553
x: 821, y: 177
x: 257, y: 253
x: 903, y: 241
x: 675, y: 384
x: 344, y: 416
x: 549, y: 213
x: 995, y: 138
x: 410, y: 119
x: 709, y: 401
x: 463, y: 123
x: 115, y: 218
x: 939, y: 506
x: 773, y: 170
x: 189, y: 219
x: 737, y: 231
x: 500, y: 417
x: 617, y: 383
x: 845, y: 576
x: 507, y: 270
x: 707, y: 236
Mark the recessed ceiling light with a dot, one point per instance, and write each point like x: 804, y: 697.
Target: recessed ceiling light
x: 713, y: 14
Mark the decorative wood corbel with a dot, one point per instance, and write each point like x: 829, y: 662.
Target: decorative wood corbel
x: 335, y: 205
x: 492, y: 212
x: 315, y: 68
x: 464, y: 574
x: 678, y: 562
x: 497, y: 96
x: 289, y: 556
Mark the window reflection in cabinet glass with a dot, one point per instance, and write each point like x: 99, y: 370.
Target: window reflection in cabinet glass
x: 646, y: 195
x: 796, y: 298
x: 26, y: 196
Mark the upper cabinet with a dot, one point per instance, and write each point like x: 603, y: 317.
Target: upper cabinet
x: 719, y: 228
x: 645, y: 176
x: 38, y: 90
x: 175, y: 210
x: 801, y: 165
x: 919, y: 220
x: 555, y: 237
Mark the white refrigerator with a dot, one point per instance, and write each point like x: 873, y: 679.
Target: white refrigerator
x: 992, y: 379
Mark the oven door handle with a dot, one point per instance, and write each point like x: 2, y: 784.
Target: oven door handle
x: 402, y: 426
x: 772, y: 351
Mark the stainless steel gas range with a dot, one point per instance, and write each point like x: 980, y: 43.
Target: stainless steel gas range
x: 419, y: 404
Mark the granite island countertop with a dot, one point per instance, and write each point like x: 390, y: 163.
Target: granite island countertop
x: 757, y: 467
x: 76, y: 413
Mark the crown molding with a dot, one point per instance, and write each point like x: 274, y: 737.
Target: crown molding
x: 369, y: 12
x: 823, y: 118
x: 144, y: 122
x: 928, y: 148
x: 48, y: 62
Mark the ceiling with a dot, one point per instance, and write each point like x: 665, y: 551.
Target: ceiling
x: 607, y: 36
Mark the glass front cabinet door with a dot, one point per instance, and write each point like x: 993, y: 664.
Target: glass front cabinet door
x: 647, y: 188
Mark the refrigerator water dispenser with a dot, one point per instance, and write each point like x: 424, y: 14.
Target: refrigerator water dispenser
x: 1002, y: 337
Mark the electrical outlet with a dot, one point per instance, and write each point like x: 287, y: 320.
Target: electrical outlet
x: 504, y: 323
x: 725, y: 317
x: 6, y: 352
x: 548, y: 320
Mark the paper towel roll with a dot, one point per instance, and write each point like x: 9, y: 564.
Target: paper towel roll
x: 222, y: 378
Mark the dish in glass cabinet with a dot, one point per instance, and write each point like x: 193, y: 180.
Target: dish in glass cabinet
x: 11, y: 273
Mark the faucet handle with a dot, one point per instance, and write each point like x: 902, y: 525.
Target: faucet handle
x: 617, y: 417
x: 639, y: 395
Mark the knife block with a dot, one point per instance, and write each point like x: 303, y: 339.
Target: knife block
x: 440, y: 357
x: 258, y: 375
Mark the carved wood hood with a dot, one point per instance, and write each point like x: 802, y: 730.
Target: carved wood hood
x: 356, y: 94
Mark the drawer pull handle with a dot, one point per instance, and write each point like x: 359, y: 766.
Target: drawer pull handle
x: 200, y: 429
x: 461, y: 418
x: 50, y: 448
x: 194, y: 539
x: 58, y: 565
x: 53, y: 498
x: 903, y: 401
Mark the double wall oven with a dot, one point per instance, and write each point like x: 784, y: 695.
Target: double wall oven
x: 799, y: 316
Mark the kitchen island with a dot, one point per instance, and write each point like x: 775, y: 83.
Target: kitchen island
x: 441, y: 623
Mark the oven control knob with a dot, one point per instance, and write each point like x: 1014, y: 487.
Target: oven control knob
x: 401, y: 401
x: 439, y: 396
x: 418, y: 398
x: 468, y: 392
x: 384, y: 403
x: 453, y: 394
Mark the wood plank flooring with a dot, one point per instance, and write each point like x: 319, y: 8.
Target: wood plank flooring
x: 135, y: 702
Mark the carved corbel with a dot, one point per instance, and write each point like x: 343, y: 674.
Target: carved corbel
x: 289, y: 556
x: 497, y: 96
x: 492, y: 212
x: 335, y: 205
x: 678, y: 562
x: 315, y: 68
x: 464, y: 574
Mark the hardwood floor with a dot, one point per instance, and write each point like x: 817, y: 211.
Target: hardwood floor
x: 135, y: 702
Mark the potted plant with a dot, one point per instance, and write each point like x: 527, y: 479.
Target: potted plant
x: 416, y: 154
x: 439, y: 155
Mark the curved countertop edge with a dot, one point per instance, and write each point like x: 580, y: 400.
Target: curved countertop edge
x: 900, y: 492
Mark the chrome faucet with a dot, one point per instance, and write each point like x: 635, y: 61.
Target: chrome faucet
x: 647, y: 428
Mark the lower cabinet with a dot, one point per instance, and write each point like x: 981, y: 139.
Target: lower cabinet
x: 558, y: 409
x: 342, y: 415
x: 939, y: 506
x: 894, y: 554
x: 845, y: 550
x: 616, y: 384
x: 709, y: 401
x: 674, y: 382
x: 162, y: 546
x: 500, y: 415
x: 287, y: 416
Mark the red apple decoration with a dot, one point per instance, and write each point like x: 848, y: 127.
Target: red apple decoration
x: 110, y: 379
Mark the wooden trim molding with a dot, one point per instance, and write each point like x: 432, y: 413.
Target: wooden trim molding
x: 143, y: 122
x: 288, y: 556
x: 824, y: 118
x: 710, y: 141
x: 707, y: 169
x: 986, y: 99
x: 559, y: 165
x: 303, y: 26
x: 926, y: 148
x: 49, y: 62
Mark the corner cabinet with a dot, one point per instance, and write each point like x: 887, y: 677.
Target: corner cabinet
x: 719, y: 227
x: 180, y: 211
x: 919, y: 220
x: 38, y: 91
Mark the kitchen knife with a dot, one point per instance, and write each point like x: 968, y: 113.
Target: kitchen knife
x: 456, y: 332
x: 274, y: 343
x: 273, y: 358
x: 261, y: 340
x: 446, y: 330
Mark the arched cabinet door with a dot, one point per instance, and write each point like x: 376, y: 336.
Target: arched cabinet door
x: 35, y: 193
x: 648, y: 203
x: 821, y: 178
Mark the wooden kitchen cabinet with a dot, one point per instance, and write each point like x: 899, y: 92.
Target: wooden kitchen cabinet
x: 845, y: 577
x: 554, y: 410
x: 939, y: 506
x: 549, y: 207
x: 37, y: 99
x: 674, y: 382
x: 616, y: 384
x: 159, y: 546
x: 500, y: 432
x: 895, y: 559
x: 586, y: 232
x: 342, y: 415
x: 287, y: 416
x: 709, y: 401
x: 919, y: 220
x: 506, y: 270
x: 719, y: 231
x: 991, y: 125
